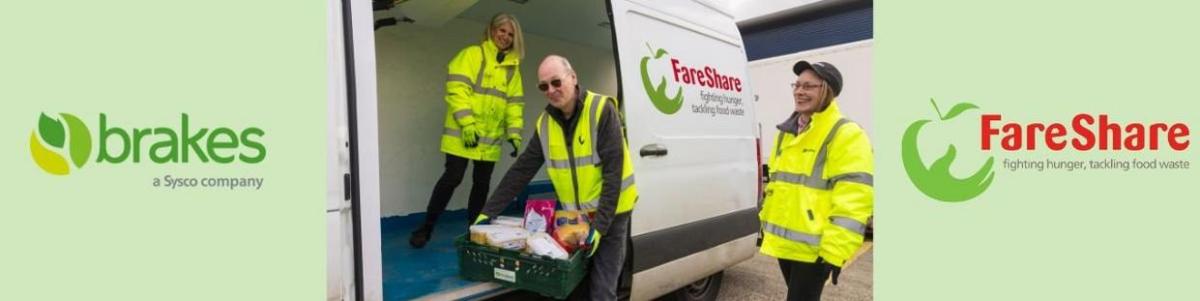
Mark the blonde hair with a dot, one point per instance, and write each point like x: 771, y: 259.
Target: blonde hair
x: 826, y: 95
x: 518, y: 43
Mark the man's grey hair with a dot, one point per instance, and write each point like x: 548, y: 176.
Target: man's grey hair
x: 563, y: 60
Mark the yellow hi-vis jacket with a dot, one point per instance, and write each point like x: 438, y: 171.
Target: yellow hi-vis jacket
x: 484, y: 93
x: 574, y: 165
x: 820, y: 192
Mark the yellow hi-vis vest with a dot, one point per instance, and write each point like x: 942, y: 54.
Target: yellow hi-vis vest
x: 574, y: 165
x: 486, y: 94
x: 820, y: 193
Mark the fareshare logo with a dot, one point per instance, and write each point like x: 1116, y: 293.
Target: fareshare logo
x: 935, y: 180
x: 72, y: 139
x: 658, y: 95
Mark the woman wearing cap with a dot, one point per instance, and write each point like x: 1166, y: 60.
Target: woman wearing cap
x: 483, y: 94
x: 820, y: 191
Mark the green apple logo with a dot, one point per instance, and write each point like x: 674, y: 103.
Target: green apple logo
x: 936, y: 180
x: 658, y: 96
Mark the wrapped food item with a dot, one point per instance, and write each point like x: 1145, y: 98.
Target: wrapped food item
x: 539, y: 215
x: 504, y: 237
x: 542, y: 244
x: 570, y: 229
x: 510, y: 221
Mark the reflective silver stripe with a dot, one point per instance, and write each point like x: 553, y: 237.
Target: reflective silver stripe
x: 458, y: 133
x: 801, y: 179
x: 492, y: 92
x: 460, y: 114
x: 586, y: 161
x: 804, y: 238
x: 855, y: 177
x: 489, y: 140
x: 558, y: 163
x: 849, y: 224
x: 482, y: 66
x: 460, y: 78
x: 579, y: 162
x: 514, y: 131
x: 510, y: 74
x: 516, y: 99
x: 815, y: 180
x: 819, y: 165
x: 627, y: 182
x: 589, y: 205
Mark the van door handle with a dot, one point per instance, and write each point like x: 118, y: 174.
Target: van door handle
x: 654, y: 150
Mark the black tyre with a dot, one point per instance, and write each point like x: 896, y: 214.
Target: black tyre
x: 704, y: 290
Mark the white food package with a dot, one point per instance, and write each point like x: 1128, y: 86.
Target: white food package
x: 510, y: 221
x: 535, y: 222
x: 505, y: 237
x: 540, y: 243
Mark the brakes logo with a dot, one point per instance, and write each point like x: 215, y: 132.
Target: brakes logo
x: 58, y: 142
x: 658, y: 95
x: 57, y: 139
x: 935, y: 180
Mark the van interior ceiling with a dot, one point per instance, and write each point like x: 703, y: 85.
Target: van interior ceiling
x: 413, y: 47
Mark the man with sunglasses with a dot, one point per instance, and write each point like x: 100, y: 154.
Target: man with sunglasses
x: 579, y: 139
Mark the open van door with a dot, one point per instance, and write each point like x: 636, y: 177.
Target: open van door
x: 339, y: 252
x: 691, y: 128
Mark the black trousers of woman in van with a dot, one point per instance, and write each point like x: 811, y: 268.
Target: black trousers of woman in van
x: 456, y: 166
x: 805, y: 280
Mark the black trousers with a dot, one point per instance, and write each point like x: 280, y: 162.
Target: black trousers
x: 456, y: 166
x: 804, y: 279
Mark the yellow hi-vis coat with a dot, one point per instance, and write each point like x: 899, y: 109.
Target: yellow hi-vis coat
x: 820, y: 192
x: 574, y: 165
x: 484, y: 93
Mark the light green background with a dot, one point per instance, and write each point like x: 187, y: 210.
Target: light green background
x: 103, y: 232
x: 1052, y: 235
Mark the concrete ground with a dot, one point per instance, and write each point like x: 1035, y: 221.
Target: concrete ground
x: 760, y: 279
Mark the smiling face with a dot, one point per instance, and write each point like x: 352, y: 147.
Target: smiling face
x: 503, y: 35
x: 562, y: 96
x: 808, y: 92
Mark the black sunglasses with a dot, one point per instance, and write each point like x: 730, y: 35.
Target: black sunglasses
x: 543, y: 86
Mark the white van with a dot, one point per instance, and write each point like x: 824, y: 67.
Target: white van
x: 678, y: 68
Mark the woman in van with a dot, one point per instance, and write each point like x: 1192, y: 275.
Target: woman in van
x: 821, y: 191
x: 484, y: 109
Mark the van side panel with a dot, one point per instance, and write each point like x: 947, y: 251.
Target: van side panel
x: 685, y: 90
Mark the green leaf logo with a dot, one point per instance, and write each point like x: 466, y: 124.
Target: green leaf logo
x: 74, y: 139
x: 658, y: 94
x: 935, y: 180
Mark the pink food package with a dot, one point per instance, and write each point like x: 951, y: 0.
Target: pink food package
x: 539, y: 215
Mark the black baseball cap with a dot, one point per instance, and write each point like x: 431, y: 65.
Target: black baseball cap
x: 825, y: 71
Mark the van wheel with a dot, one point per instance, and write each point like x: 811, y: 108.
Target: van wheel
x: 704, y: 290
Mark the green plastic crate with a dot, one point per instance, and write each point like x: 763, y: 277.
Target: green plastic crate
x: 543, y: 275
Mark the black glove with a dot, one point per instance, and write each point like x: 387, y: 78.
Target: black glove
x: 515, y: 141
x: 834, y: 270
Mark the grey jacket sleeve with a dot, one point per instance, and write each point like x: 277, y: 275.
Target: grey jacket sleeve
x: 611, y: 144
x: 516, y: 178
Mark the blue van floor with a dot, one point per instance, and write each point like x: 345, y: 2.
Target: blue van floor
x: 410, y: 273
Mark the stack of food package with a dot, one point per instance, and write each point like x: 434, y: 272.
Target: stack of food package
x: 543, y: 231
